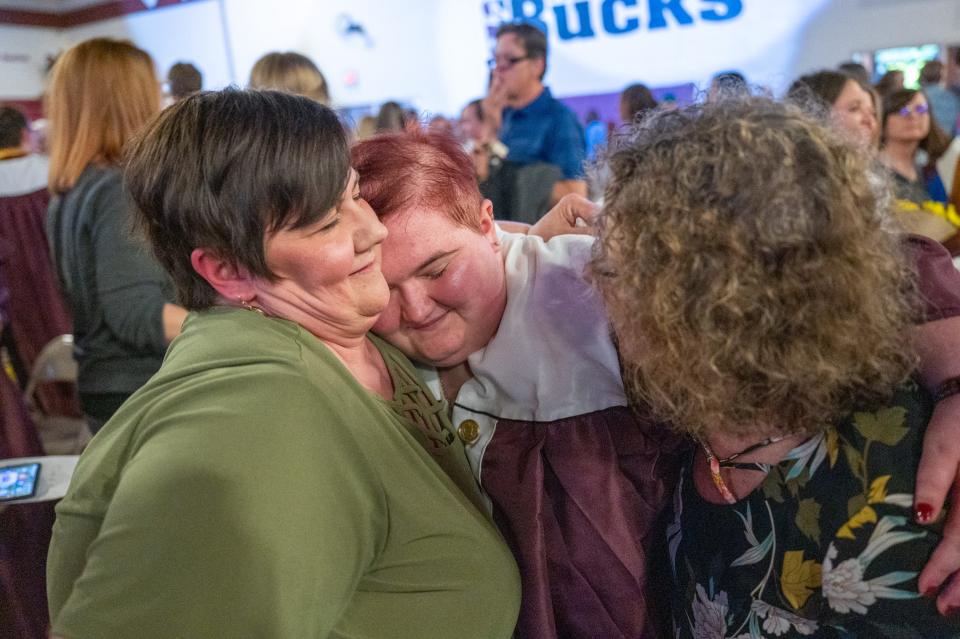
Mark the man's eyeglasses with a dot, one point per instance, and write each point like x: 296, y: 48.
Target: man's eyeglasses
x: 504, y: 62
x: 919, y: 109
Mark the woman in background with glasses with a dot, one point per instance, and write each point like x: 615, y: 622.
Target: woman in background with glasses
x: 908, y: 127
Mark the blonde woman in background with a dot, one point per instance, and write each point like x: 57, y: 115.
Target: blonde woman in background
x: 367, y: 128
x: 290, y: 72
x: 101, y: 93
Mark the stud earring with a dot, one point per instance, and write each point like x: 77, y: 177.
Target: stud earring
x: 250, y: 307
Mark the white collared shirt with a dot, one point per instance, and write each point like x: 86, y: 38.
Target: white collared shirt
x: 552, y: 357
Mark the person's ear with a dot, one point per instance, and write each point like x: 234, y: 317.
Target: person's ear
x: 541, y: 67
x: 232, y: 282
x: 487, y: 225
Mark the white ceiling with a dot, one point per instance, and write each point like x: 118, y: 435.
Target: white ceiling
x: 48, y: 6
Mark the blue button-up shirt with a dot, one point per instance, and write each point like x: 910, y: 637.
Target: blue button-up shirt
x: 945, y: 105
x: 545, y: 131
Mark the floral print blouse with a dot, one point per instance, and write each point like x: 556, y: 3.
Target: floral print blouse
x: 824, y: 547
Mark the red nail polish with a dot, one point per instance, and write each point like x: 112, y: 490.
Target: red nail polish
x: 923, y: 513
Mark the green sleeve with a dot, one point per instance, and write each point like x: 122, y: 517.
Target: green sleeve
x: 254, y: 517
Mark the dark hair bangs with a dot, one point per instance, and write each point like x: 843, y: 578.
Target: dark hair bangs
x: 222, y: 170
x: 305, y: 154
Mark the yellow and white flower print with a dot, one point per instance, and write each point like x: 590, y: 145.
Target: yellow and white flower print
x: 844, y: 585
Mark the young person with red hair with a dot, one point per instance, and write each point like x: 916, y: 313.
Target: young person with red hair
x: 523, y: 353
x: 521, y: 347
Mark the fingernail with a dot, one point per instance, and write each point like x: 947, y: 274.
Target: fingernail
x: 930, y: 592
x: 923, y: 513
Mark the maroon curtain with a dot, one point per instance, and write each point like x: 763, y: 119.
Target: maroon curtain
x: 37, y: 309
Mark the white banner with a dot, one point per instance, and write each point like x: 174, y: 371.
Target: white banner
x: 597, y: 46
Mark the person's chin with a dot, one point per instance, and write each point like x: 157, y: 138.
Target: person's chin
x: 441, y: 357
x: 372, y: 312
x: 450, y: 361
x: 374, y: 301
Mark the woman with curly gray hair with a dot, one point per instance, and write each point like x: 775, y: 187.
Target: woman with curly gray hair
x: 763, y: 308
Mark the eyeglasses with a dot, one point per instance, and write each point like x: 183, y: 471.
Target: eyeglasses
x: 504, y: 62
x: 920, y: 109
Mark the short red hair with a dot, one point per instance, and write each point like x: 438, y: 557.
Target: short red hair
x: 418, y: 169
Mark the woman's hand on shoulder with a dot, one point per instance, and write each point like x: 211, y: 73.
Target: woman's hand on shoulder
x: 937, y: 343
x: 938, y: 474
x: 573, y: 214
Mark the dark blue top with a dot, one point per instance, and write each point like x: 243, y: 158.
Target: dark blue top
x: 545, y: 131
x: 115, y: 288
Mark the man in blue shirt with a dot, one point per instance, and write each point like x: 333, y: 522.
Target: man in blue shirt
x: 944, y: 104
x: 535, y: 126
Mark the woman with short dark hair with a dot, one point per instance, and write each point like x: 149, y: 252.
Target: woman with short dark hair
x: 284, y: 474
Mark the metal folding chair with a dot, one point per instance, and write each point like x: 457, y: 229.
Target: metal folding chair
x: 60, y: 434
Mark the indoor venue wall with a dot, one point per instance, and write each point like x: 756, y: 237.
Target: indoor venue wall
x: 432, y: 53
x: 191, y: 31
x: 844, y: 27
x: 23, y: 55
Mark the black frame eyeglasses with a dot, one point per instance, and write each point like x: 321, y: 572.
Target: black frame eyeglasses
x: 506, y: 63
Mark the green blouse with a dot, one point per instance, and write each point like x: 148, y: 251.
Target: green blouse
x: 825, y: 547
x: 253, y: 488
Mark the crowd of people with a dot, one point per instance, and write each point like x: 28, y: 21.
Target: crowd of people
x: 404, y: 379
x: 525, y: 173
